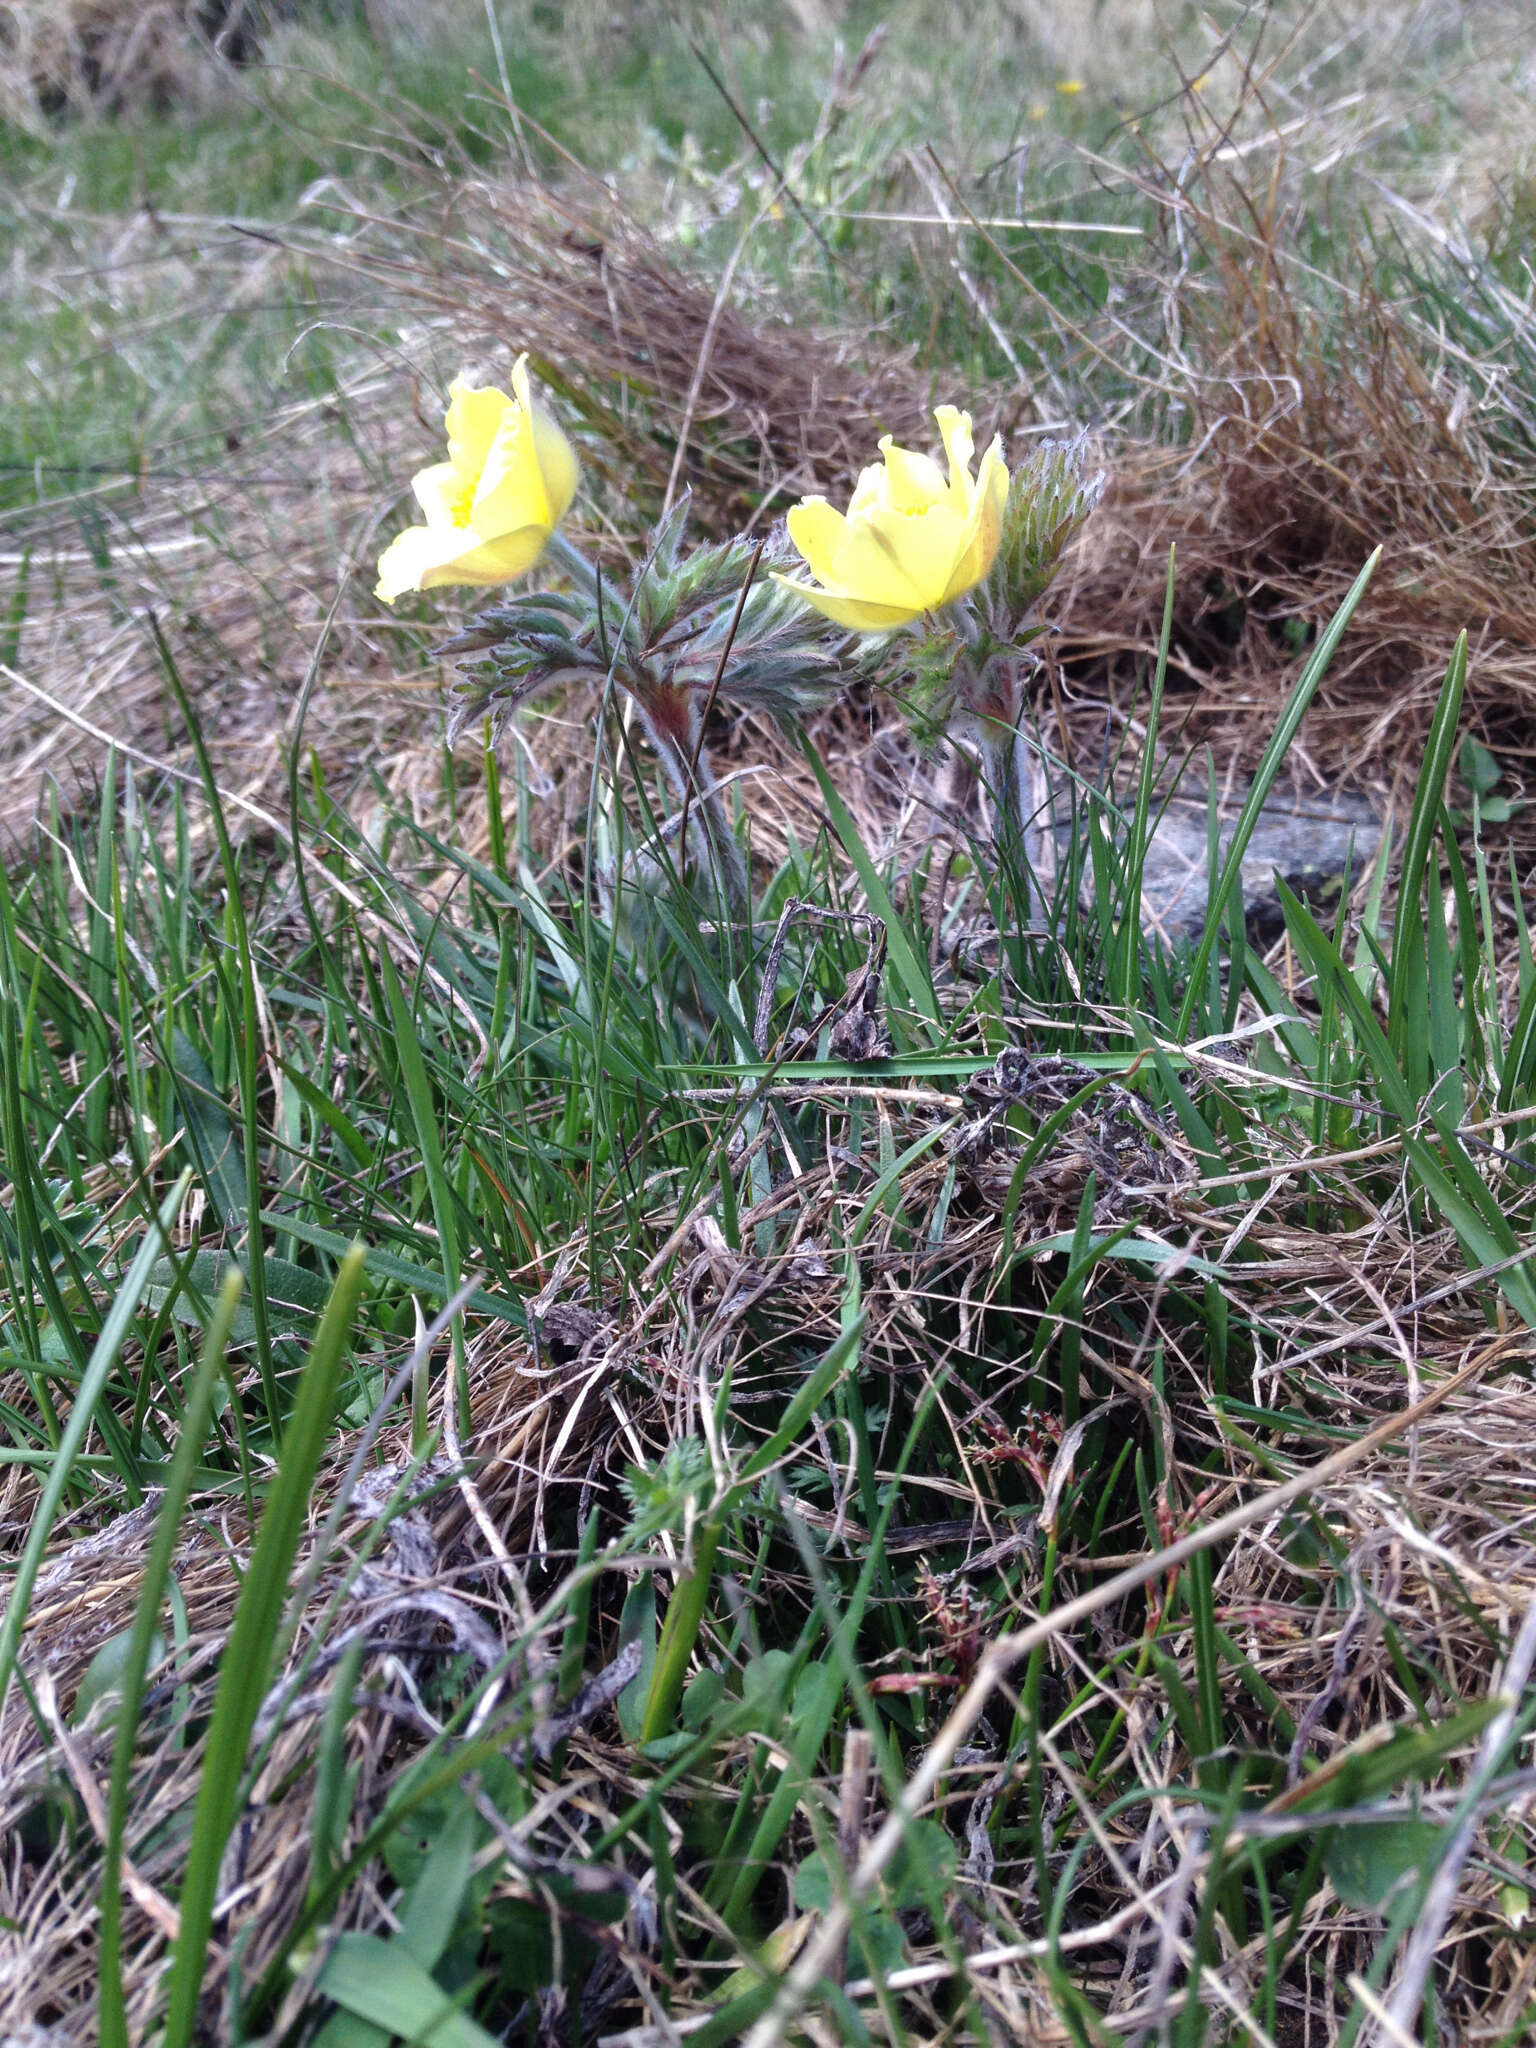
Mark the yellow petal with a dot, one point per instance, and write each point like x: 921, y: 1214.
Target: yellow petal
x: 914, y: 482
x: 911, y: 540
x: 442, y: 494
x: 473, y: 420
x: 556, y: 457
x: 959, y: 447
x: 817, y: 530
x: 511, y: 493
x: 872, y: 491
x: 853, y: 612
x: 983, y: 526
x: 493, y: 561
x: 412, y: 556
x: 423, y: 557
x: 900, y: 558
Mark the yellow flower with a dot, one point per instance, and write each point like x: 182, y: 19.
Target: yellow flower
x: 1069, y: 88
x: 910, y: 541
x: 508, y: 482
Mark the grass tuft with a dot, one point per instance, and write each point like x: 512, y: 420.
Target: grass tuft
x: 544, y: 1494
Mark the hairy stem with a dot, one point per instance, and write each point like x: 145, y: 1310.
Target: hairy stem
x: 672, y: 719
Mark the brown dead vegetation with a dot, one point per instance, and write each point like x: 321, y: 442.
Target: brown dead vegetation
x: 63, y: 58
x: 1312, y: 441
x: 1433, y: 1526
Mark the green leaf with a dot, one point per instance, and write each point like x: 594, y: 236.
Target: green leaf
x: 345, y: 2030
x: 926, y: 1860
x: 874, y: 1930
x: 1368, y: 1861
x: 702, y: 1696
x: 1478, y: 768
x: 913, y: 974
x: 1377, y: 1769
x: 387, y: 1266
x: 1446, y: 1172
x: 427, y: 1139
x: 143, y: 1641
x: 432, y: 1906
x: 842, y: 1357
x: 685, y: 1615
x: 1408, y: 937
x: 210, y: 1134
x: 93, y: 1383
x: 337, y: 1119
x: 295, y: 1296
x: 637, y: 1620
x: 1263, y: 781
x: 1520, y: 1058
x: 381, y: 1982
x: 106, y: 1674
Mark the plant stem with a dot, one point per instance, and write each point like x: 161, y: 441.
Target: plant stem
x: 575, y: 564
x: 674, y: 730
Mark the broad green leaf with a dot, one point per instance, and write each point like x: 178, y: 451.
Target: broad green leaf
x: 107, y: 1673
x: 1478, y: 768
x: 432, y: 1906
x: 381, y: 1981
x: 295, y: 1296
x: 1367, y: 1861
x: 210, y: 1133
x: 637, y: 1622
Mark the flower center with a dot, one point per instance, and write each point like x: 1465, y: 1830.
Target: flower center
x: 461, y: 500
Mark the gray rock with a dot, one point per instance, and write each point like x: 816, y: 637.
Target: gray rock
x: 1311, y: 839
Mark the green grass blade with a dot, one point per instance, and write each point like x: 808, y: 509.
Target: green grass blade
x: 1136, y: 849
x: 252, y: 1646
x: 247, y: 1041
x: 423, y: 1110
x: 1438, y: 753
x: 1263, y: 781
x: 168, y: 1533
x: 1455, y: 1187
x: 911, y: 971
x: 104, y: 1356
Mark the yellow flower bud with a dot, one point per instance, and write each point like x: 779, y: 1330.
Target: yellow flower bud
x: 909, y: 541
x: 508, y: 482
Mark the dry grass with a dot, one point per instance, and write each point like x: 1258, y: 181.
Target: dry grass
x: 1312, y: 439
x: 88, y: 57
x: 1424, y: 1549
